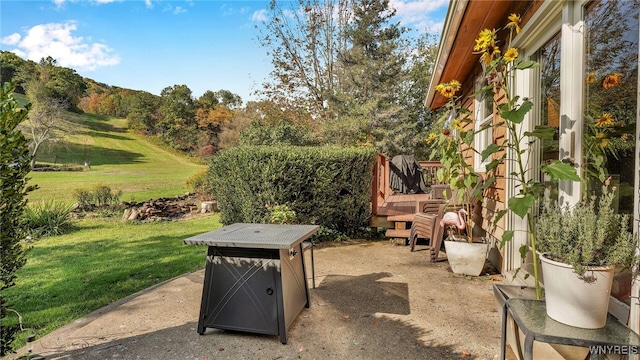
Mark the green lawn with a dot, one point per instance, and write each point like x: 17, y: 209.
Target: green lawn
x: 103, y: 260
x: 119, y: 159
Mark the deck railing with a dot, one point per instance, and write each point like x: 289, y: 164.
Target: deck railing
x: 429, y: 169
x: 380, y: 187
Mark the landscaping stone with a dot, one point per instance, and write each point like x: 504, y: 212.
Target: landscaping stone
x: 208, y: 206
x: 163, y: 208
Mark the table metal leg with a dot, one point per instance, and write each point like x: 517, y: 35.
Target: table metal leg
x: 206, y: 288
x: 503, y: 340
x: 304, y: 273
x: 313, y: 270
x: 282, y: 325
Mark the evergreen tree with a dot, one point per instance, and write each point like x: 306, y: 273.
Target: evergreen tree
x: 372, y: 71
x: 421, y: 119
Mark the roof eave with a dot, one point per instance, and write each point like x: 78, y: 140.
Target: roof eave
x: 455, y: 13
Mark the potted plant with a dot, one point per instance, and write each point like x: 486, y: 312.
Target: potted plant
x: 582, y: 246
x: 466, y: 253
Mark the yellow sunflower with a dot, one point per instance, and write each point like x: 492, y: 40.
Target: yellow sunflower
x: 611, y: 80
x: 455, y: 84
x: 486, y: 40
x: 604, y: 120
x: 511, y: 54
x: 602, y: 140
x: 457, y: 124
x: 486, y: 58
x: 514, y: 22
x: 449, y: 89
x: 591, y: 77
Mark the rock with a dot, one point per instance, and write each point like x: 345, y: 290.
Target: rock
x: 208, y: 206
x: 152, y: 210
x: 133, y: 215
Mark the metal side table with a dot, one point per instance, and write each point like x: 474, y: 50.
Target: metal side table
x: 531, y: 317
x: 255, y: 278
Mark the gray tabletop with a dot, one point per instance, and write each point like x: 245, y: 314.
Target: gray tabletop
x: 531, y: 316
x: 263, y: 236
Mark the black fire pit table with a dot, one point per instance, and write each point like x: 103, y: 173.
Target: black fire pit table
x: 255, y: 278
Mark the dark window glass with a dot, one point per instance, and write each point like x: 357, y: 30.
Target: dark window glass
x: 611, y: 88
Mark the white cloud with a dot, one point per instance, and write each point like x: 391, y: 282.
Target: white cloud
x: 231, y: 10
x: 56, y: 40
x: 20, y: 53
x: 169, y: 8
x: 260, y: 15
x: 60, y: 3
x: 419, y: 13
x: 12, y: 39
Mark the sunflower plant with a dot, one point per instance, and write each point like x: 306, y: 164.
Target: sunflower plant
x: 500, y: 65
x: 449, y: 147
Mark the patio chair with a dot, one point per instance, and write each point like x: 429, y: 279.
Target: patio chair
x: 423, y: 227
x: 426, y: 224
x: 424, y: 221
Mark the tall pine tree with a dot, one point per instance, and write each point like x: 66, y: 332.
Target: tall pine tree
x: 372, y: 72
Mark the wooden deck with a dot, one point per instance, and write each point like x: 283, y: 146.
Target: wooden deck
x: 401, y: 204
x: 397, y: 213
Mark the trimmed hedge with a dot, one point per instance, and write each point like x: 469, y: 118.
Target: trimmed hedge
x: 326, y: 186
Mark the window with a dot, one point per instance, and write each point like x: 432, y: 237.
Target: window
x: 483, y: 128
x: 610, y: 97
x: 549, y: 107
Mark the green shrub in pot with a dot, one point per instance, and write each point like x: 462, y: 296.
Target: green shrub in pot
x: 590, y: 233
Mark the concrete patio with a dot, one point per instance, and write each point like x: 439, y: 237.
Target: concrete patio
x: 373, y: 300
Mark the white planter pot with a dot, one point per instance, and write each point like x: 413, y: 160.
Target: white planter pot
x: 573, y: 301
x: 465, y: 257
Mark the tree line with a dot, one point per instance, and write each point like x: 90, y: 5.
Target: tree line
x: 343, y: 74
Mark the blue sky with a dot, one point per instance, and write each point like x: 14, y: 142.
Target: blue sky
x: 151, y: 44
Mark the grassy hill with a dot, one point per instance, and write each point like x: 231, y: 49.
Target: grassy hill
x: 118, y: 159
x: 102, y: 260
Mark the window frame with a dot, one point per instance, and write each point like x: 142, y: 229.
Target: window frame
x: 482, y: 139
